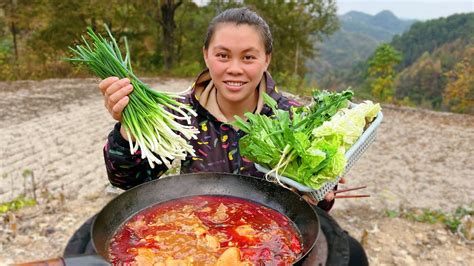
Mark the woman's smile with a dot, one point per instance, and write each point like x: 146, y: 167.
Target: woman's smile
x: 234, y: 85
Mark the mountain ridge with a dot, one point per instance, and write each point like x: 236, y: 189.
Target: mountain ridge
x: 360, y: 33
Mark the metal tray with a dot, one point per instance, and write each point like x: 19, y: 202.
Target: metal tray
x: 352, y: 155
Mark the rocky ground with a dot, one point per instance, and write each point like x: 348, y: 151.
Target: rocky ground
x: 51, y: 138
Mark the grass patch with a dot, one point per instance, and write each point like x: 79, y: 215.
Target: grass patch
x: 451, y: 220
x: 17, y: 204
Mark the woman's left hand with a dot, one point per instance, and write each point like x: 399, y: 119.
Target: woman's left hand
x: 329, y: 197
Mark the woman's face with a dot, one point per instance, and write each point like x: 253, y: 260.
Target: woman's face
x: 236, y: 60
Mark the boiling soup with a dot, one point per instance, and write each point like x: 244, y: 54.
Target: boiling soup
x: 206, y: 230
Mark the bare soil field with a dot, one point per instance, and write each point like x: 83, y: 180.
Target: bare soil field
x: 51, y: 138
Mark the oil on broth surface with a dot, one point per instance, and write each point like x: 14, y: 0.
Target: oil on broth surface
x: 206, y: 230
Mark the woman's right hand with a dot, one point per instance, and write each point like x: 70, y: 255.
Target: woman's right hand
x: 115, y: 93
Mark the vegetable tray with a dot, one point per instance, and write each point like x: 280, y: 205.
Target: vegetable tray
x: 352, y: 155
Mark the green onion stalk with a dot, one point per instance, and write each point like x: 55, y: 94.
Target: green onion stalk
x: 150, y: 116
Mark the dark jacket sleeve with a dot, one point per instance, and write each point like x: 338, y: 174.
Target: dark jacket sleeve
x: 125, y: 170
x: 326, y: 205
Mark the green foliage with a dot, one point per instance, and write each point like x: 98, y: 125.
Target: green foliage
x: 391, y: 214
x: 354, y: 42
x: 435, y: 71
x: 382, y: 73
x: 70, y: 18
x: 16, y: 204
x: 427, y: 36
x: 27, y: 173
x: 426, y: 216
x: 287, y: 144
x: 6, y: 58
x: 451, y: 220
x: 187, y: 70
x: 292, y: 83
x: 294, y: 33
x: 189, y: 60
x: 422, y: 83
x: 459, y: 93
x: 47, y: 27
x: 441, y: 80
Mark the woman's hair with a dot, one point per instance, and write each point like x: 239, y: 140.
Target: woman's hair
x: 241, y: 16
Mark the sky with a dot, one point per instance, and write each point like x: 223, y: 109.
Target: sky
x: 418, y: 9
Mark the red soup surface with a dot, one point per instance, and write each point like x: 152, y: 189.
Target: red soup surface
x: 206, y: 230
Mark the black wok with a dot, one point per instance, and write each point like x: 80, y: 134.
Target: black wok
x: 123, y: 207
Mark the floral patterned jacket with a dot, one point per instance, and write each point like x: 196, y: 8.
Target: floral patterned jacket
x: 216, y: 147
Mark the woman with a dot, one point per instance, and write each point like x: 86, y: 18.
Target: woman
x: 237, y: 52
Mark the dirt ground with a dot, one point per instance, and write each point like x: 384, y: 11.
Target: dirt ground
x: 53, y: 131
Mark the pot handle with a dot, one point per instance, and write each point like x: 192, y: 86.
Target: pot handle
x: 90, y: 260
x: 50, y: 262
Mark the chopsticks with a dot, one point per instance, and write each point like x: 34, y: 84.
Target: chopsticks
x: 350, y: 196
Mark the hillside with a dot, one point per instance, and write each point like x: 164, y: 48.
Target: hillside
x: 432, y: 34
x: 380, y: 27
x: 425, y: 82
x: 437, y: 65
x: 354, y: 42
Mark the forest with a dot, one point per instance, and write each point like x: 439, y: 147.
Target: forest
x: 430, y: 65
x: 165, y: 37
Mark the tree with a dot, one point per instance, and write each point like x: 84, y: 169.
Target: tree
x: 427, y: 36
x: 422, y: 82
x: 165, y: 34
x: 296, y: 26
x: 60, y: 23
x: 163, y: 13
x: 166, y: 19
x: 17, y: 20
x: 11, y: 8
x: 189, y: 59
x: 459, y: 93
x: 381, y: 72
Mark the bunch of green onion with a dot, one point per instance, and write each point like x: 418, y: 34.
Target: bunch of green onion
x: 148, y: 116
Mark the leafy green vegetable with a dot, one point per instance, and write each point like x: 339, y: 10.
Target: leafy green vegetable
x: 348, y: 123
x: 324, y: 106
x: 306, y: 144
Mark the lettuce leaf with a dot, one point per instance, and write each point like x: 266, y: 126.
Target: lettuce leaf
x: 348, y: 123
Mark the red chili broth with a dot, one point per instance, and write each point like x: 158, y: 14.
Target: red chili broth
x: 276, y: 241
